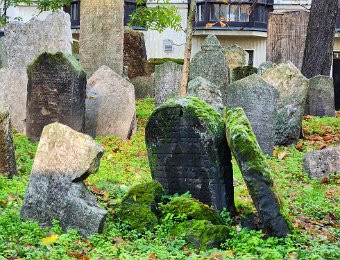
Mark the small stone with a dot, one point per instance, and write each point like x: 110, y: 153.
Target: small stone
x: 64, y: 159
x: 320, y: 164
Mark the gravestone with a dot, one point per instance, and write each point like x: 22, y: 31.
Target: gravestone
x: 144, y: 86
x: 292, y: 87
x: 188, y: 151
x: 264, y: 66
x: 253, y: 166
x: 25, y: 41
x: 259, y: 102
x: 321, y: 96
x: 243, y: 72
x: 3, y: 59
x: 8, y: 166
x: 134, y: 53
x: 287, y: 32
x: 55, y: 93
x: 167, y: 81
x: 207, y: 92
x: 236, y: 57
x: 56, y: 189
x: 13, y: 91
x: 320, y: 164
x: 210, y: 63
x: 110, y: 105
x: 101, y: 35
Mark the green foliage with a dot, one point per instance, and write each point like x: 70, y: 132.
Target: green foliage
x: 158, y: 61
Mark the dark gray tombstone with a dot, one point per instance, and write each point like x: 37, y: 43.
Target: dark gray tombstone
x: 259, y: 101
x: 188, y: 151
x: 243, y: 72
x: 55, y: 93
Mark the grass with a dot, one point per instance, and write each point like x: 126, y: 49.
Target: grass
x: 313, y: 207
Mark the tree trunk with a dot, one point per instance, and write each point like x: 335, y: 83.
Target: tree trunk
x: 188, y: 45
x: 318, y: 53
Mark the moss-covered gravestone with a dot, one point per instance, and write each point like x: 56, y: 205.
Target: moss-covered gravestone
x: 254, y: 168
x: 243, y: 72
x: 188, y: 151
x: 55, y: 93
x: 259, y: 102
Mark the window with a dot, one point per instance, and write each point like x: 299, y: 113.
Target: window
x: 227, y: 12
x: 129, y: 7
x: 74, y: 11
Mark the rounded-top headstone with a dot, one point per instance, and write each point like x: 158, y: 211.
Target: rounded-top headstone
x: 211, y: 43
x: 236, y: 56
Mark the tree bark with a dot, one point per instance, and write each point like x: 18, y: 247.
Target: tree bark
x: 318, y: 54
x: 188, y: 46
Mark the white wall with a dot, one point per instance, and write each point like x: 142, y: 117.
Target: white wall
x: 291, y: 4
x: 26, y: 13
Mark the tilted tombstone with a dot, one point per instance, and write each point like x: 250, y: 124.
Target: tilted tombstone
x: 206, y: 91
x: 210, y: 63
x: 236, y: 57
x: 64, y: 159
x: 259, y: 102
x: 243, y: 72
x: 55, y: 93
x: 256, y: 175
x: 287, y: 32
x: 110, y: 105
x: 101, y: 35
x: 264, y: 66
x: 167, y: 81
x: 293, y: 88
x: 8, y: 166
x: 321, y: 96
x: 188, y: 151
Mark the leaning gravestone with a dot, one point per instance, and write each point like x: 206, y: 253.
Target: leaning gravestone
x: 101, y: 35
x: 254, y: 168
x: 210, y: 63
x: 236, y: 57
x: 206, y: 91
x: 110, y: 105
x: 292, y: 87
x: 13, y: 91
x: 321, y: 96
x: 8, y: 166
x: 259, y: 102
x: 243, y: 72
x: 64, y: 159
x: 188, y: 151
x: 55, y: 93
x: 264, y: 66
x: 25, y: 41
x: 167, y: 81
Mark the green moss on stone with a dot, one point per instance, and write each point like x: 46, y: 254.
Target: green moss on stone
x: 192, y: 208
x: 149, y: 193
x: 158, y: 61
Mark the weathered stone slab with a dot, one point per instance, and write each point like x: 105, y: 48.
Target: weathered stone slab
x: 25, y: 41
x: 207, y: 92
x: 287, y: 32
x: 167, y: 81
x: 110, y: 105
x: 255, y: 171
x: 292, y: 87
x: 64, y: 159
x: 55, y: 93
x: 101, y: 35
x: 13, y: 91
x: 134, y: 53
x: 210, y: 63
x: 320, y: 164
x: 188, y: 151
x: 259, y: 102
x: 321, y: 96
x: 243, y: 72
x: 264, y: 66
x: 8, y: 166
x: 236, y: 57
x: 144, y: 86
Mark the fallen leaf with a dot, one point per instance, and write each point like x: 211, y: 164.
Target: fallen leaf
x: 49, y: 240
x: 281, y: 155
x: 208, y: 25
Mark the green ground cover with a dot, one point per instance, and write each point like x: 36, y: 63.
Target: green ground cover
x: 313, y: 207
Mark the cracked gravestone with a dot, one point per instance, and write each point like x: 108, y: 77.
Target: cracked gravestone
x: 188, y: 151
x: 255, y: 171
x: 56, y: 189
x: 293, y: 88
x: 55, y: 93
x: 259, y: 102
x: 110, y: 105
x: 8, y: 166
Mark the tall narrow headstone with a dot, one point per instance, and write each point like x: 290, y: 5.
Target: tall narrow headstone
x: 167, y: 81
x: 55, y: 93
x: 210, y: 63
x: 236, y: 57
x: 188, y: 151
x: 56, y: 189
x: 259, y: 102
x: 101, y: 35
x: 254, y: 169
x: 293, y: 88
x: 287, y: 32
x: 8, y: 166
